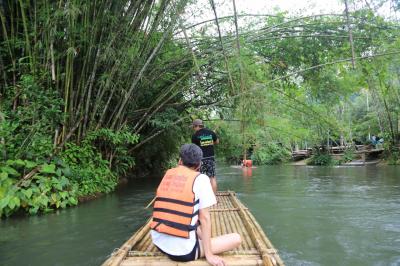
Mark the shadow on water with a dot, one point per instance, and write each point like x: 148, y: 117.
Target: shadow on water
x: 313, y: 216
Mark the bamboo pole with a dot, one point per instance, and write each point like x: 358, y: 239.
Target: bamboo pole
x: 140, y: 74
x: 150, y: 203
x: 235, y: 260
x: 242, y: 86
x: 222, y: 48
x: 271, y: 248
x: 213, y: 224
x: 143, y: 243
x: 260, y: 246
x: 350, y: 35
x: 247, y: 243
x: 148, y: 243
x: 222, y: 218
x: 218, y: 230
x: 117, y: 258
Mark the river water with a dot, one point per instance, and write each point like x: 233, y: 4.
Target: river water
x: 312, y: 215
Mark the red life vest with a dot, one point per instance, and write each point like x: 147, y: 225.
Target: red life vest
x: 174, y: 204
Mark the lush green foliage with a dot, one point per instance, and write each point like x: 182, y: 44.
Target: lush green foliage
x: 51, y: 188
x: 28, y: 126
x: 89, y: 170
x: 348, y: 156
x: 322, y: 159
x: 272, y: 153
x: 90, y: 90
x: 393, y: 157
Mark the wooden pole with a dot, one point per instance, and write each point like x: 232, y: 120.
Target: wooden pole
x: 151, y: 203
x: 253, y: 235
x: 117, y: 258
x: 353, y: 62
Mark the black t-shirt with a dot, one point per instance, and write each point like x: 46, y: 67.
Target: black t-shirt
x: 204, y: 138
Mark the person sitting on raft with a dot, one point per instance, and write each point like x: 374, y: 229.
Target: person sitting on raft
x: 183, y: 199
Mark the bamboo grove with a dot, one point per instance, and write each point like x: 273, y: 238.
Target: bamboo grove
x: 93, y: 90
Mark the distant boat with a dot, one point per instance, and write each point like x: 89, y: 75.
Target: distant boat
x: 227, y: 216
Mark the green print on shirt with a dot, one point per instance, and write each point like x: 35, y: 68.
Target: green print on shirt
x: 206, y: 140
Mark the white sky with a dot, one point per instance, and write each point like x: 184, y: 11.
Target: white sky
x: 293, y: 7
x: 201, y: 10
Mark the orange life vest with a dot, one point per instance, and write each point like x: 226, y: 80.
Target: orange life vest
x: 175, y: 201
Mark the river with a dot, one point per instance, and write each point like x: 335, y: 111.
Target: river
x: 312, y: 215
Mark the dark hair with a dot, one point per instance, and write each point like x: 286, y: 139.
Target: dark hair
x: 191, y: 155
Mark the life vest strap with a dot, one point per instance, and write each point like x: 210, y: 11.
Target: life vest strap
x: 175, y: 225
x: 181, y: 202
x: 188, y: 215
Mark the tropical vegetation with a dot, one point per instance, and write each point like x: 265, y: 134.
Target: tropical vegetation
x: 93, y: 91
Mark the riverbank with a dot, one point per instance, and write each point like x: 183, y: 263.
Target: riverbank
x: 301, y: 162
x: 378, y: 162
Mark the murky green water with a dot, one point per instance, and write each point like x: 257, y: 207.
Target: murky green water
x: 313, y: 216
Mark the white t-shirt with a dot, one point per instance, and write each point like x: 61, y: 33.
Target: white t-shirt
x: 179, y: 246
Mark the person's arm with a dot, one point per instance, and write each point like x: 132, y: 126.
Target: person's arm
x: 205, y: 220
x: 215, y: 138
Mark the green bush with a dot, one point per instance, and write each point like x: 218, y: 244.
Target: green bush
x: 114, y: 146
x: 322, y: 159
x: 27, y: 131
x: 393, y: 157
x: 90, y: 171
x: 271, y: 153
x: 47, y: 190
x: 348, y: 156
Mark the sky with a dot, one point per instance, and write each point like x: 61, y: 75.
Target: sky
x: 293, y: 7
x: 201, y: 10
x: 310, y: 6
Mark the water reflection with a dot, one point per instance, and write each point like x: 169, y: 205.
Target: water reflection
x: 247, y: 172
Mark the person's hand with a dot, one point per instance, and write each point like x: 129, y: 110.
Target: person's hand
x: 215, y: 260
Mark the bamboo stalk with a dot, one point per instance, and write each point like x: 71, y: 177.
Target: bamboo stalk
x: 260, y: 246
x: 146, y: 243
x: 116, y: 259
x: 143, y: 243
x: 150, y: 245
x: 247, y: 260
x: 350, y: 34
x: 144, y: 68
x: 223, y: 223
x: 240, y: 229
x: 265, y: 238
x: 150, y: 203
x: 222, y: 47
x: 146, y: 117
x: 225, y: 209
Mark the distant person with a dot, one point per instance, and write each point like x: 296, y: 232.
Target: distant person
x: 183, y: 198
x: 206, y: 139
x: 373, y: 140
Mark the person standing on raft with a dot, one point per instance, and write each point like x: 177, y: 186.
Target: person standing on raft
x: 183, y: 199
x: 206, y: 139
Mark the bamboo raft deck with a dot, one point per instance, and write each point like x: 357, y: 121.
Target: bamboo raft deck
x: 227, y: 216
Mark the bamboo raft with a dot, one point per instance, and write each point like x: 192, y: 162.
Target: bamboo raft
x: 227, y: 216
